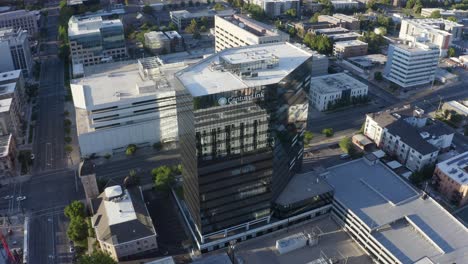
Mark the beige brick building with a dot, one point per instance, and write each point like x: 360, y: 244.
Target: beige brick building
x: 451, y: 177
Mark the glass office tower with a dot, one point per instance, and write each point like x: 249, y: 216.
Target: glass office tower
x: 241, y: 116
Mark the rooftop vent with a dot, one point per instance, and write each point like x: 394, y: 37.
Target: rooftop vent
x: 424, y: 134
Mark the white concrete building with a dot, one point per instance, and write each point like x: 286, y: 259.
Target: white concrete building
x: 350, y: 48
x: 406, y: 136
x: 157, y: 42
x: 124, y: 103
x: 392, y: 221
x: 94, y: 40
x: 15, y: 51
x: 345, y: 4
x: 20, y: 19
x: 439, y: 32
x: 122, y: 222
x: 239, y: 30
x: 411, y: 65
x: 275, y: 8
x: 328, y: 89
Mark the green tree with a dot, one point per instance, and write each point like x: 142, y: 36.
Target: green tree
x: 452, y: 18
x: 378, y: 76
x: 163, y: 177
x: 74, y: 209
x: 372, y: 5
x: 346, y: 144
x: 218, y: 7
x: 417, y: 7
x: 204, y: 21
x: 291, y: 12
x: 410, y: 4
x: 203, y: 29
x: 308, y: 136
x: 130, y: 149
x: 172, y: 26
x: 451, y: 52
x: 455, y: 118
x: 148, y: 9
x: 97, y: 257
x: 314, y: 18
x: 77, y: 229
x: 373, y: 40
x: 192, y: 28
x: 292, y: 31
x: 68, y: 148
x: 435, y: 14
x: 328, y: 132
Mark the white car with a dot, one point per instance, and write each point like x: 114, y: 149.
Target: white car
x: 20, y: 198
x: 8, y: 197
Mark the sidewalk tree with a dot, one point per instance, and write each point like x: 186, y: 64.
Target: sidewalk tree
x: 328, y: 132
x: 130, y: 149
x: 192, y: 28
x: 97, y: 257
x: 74, y: 209
x: 451, y: 52
x: 218, y: 7
x: 68, y: 148
x: 308, y: 136
x: 291, y: 12
x: 163, y: 177
x: 77, y: 229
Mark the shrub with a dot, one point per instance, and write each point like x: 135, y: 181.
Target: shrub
x: 308, y: 136
x: 131, y: 149
x: 68, y: 148
x: 68, y: 140
x: 328, y: 132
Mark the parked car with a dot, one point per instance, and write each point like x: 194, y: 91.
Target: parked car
x: 20, y: 198
x: 8, y: 197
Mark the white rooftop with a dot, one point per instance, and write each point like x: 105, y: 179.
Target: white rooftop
x: 333, y: 83
x: 10, y: 75
x: 113, y: 82
x: 456, y: 168
x: 462, y: 109
x: 87, y: 25
x: 203, y: 79
x: 407, y: 225
x: 5, y: 105
x: 350, y: 43
x: 119, y: 210
x: 7, y: 88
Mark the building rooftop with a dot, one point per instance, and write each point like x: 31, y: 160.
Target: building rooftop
x: 10, y: 76
x: 410, y: 136
x: 349, y: 43
x: 207, y: 12
x: 5, y: 105
x: 156, y: 36
x: 222, y: 258
x: 114, y: 82
x: 329, y: 31
x: 456, y: 168
x: 15, y: 13
x: 333, y: 83
x: 7, y: 88
x: 460, y: 108
x: 122, y: 216
x: 5, y: 142
x: 302, y: 187
x: 11, y: 33
x: 408, y: 224
x: 369, y: 60
x: 253, y: 26
x: 346, y: 35
x: 86, y: 25
x: 209, y: 77
x: 346, y: 17
x: 434, y: 24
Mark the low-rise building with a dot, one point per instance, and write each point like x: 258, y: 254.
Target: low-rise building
x: 444, y: 13
x: 366, y: 62
x: 341, y: 20
x: 12, y: 86
x: 389, y: 219
x: 239, y: 30
x: 124, y: 103
x: 122, y: 223
x: 406, y: 135
x: 329, y: 89
x: 411, y: 65
x: 20, y: 19
x: 344, y: 36
x: 94, y: 40
x: 176, y: 41
x: 183, y: 18
x: 459, y: 109
x: 15, y: 51
x: 157, y: 42
x: 10, y: 117
x: 319, y: 64
x: 345, y: 4
x: 330, y: 31
x: 351, y: 48
x: 276, y: 8
x: 451, y: 179
x: 7, y: 156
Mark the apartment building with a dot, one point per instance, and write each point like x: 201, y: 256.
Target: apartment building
x: 20, y: 20
x: 10, y: 117
x: 94, y: 40
x: 451, y: 179
x: 124, y: 103
x: 328, y: 89
x: 411, y: 65
x: 389, y: 219
x: 239, y: 30
x: 183, y: 18
x: 408, y: 136
x: 439, y: 32
x: 444, y: 13
x: 12, y: 85
x: 122, y: 222
x: 341, y: 20
x: 157, y: 42
x: 276, y: 8
x: 15, y: 51
x: 350, y: 48
x: 237, y: 157
x: 8, y: 155
x: 345, y: 4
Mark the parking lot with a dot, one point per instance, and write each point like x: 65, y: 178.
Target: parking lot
x: 324, y: 157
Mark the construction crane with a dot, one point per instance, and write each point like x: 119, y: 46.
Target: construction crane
x: 7, y: 249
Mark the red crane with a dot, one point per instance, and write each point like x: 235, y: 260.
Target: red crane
x: 7, y: 249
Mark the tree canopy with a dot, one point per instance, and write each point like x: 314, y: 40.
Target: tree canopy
x: 320, y: 43
x: 75, y: 209
x: 78, y: 229
x: 373, y: 40
x: 163, y: 177
x: 97, y: 257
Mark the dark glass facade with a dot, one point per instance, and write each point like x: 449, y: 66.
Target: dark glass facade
x: 240, y: 148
